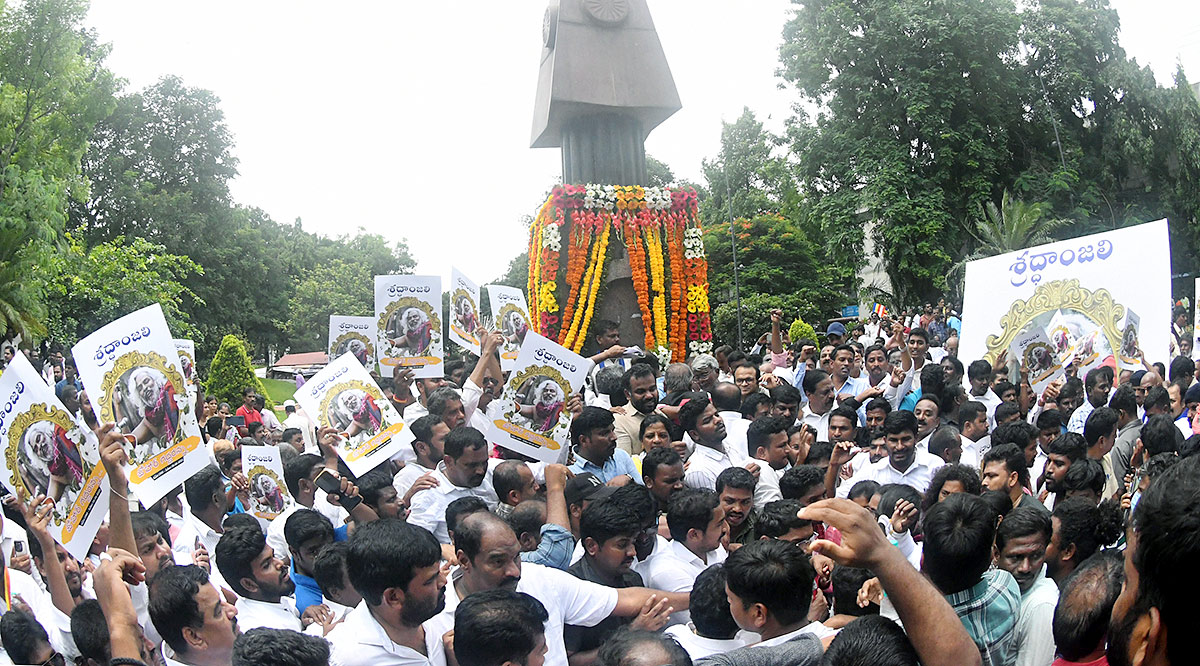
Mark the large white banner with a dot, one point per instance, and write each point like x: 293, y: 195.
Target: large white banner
x: 48, y: 452
x: 343, y: 396
x: 1086, y: 285
x: 134, y: 378
x: 408, y: 323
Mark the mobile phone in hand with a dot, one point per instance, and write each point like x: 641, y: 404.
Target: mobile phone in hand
x: 332, y: 485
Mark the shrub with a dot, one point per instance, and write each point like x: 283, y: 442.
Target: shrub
x: 231, y: 371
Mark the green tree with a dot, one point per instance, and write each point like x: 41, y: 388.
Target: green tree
x: 231, y: 371
x: 335, y: 288
x: 1012, y: 226
x: 746, y: 176
x: 756, y: 316
x: 87, y: 288
x: 54, y: 89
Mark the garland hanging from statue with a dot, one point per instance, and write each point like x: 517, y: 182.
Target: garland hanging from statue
x: 660, y: 231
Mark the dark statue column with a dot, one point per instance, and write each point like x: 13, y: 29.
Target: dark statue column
x: 604, y: 84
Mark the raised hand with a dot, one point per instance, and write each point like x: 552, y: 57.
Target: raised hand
x: 654, y: 615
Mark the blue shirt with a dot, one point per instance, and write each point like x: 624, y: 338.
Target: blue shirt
x: 619, y: 463
x: 308, y: 593
x: 555, y: 549
x: 910, y: 401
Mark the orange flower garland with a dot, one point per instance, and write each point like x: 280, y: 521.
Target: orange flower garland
x: 637, y: 265
x: 591, y: 302
x: 576, y: 263
x: 657, y: 280
x: 571, y: 332
x: 678, y: 340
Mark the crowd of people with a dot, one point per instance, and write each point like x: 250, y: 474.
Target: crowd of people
x: 868, y: 498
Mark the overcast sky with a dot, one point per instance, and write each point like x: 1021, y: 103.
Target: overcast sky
x: 413, y: 119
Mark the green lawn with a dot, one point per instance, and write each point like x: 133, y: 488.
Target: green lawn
x: 279, y: 390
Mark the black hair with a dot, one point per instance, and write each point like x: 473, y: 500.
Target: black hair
x: 589, y: 420
x: 253, y: 427
x: 636, y: 371
x: 773, y: 573
x: 202, y: 485
x: 1050, y: 418
x: 1015, y: 432
x: 506, y: 478
x: 673, y: 430
x: 1157, y: 397
x: 1168, y: 546
x: 299, y: 468
x: 329, y: 568
x: 1029, y: 519
x: 1005, y: 411
x: 964, y: 474
x: 979, y: 369
x: 173, y: 603
x: 235, y: 552
x: 279, y: 647
x: 879, y: 403
x: 622, y: 647
x: 812, y: 378
x: 1102, y: 421
x: 1158, y: 464
x: 289, y: 433
x: 213, y: 426
x: 710, y: 606
x: 1072, y: 388
x: 148, y: 523
x: 871, y: 640
x: 372, y: 484
x: 1181, y: 367
x: 607, y: 519
x: 497, y: 626
x: 958, y: 542
x: 21, y: 635
x: 386, y: 554
x: 1159, y: 435
x: 779, y: 517
x: 919, y: 332
x: 1013, y: 458
x: 1003, y: 386
x: 461, y: 508
x: 1086, y: 525
x: 865, y: 488
x: 440, y: 399
x: 90, y: 631
x: 943, y: 439
x: 1084, y: 474
x: 751, y: 404
x: 660, y: 457
x: 727, y: 397
x: 690, y: 413
x: 690, y: 509
x: 462, y: 438
x: 1124, y: 400
x: 970, y: 410
x: 638, y: 498
x: 303, y: 526
x: 957, y: 364
x: 890, y: 494
x: 846, y: 412
x: 819, y: 452
x: 422, y: 428
x: 528, y: 517
x: 1081, y: 618
x: 847, y: 581
x: 933, y: 380
x: 232, y: 520
x: 786, y: 394
x: 999, y: 501
x: 900, y: 421
x: 1069, y: 444
x: 799, y: 480
x: 735, y: 477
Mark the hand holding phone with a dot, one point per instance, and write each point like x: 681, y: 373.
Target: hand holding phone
x: 332, y: 485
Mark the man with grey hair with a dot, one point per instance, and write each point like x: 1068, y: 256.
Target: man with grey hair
x: 677, y: 380
x: 608, y: 385
x: 448, y: 404
x: 705, y: 371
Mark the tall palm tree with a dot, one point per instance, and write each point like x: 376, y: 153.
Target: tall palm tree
x: 1015, y: 225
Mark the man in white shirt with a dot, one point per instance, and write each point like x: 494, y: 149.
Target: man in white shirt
x: 208, y: 503
x: 1096, y: 386
x: 756, y: 574
x: 768, y: 439
x: 261, y: 580
x: 696, y: 520
x: 712, y: 629
x: 463, y: 472
x: 818, y: 388
x: 1020, y: 550
x: 397, y: 568
x: 904, y: 463
x: 727, y: 400
x: 518, y: 617
x: 701, y: 422
x: 301, y: 422
x: 976, y: 441
x: 429, y: 438
x: 299, y: 476
x: 488, y: 558
x: 979, y: 378
x: 197, y: 626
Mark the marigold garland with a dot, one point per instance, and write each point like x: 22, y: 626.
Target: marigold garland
x: 660, y: 230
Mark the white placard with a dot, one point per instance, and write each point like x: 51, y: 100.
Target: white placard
x: 186, y: 349
x: 49, y: 452
x: 1092, y: 280
x: 464, y: 311
x: 353, y: 335
x: 133, y: 378
x: 408, y: 324
x: 1038, y: 358
x: 1127, y: 353
x: 344, y: 396
x: 264, y: 471
x: 511, y: 317
x: 531, y: 416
